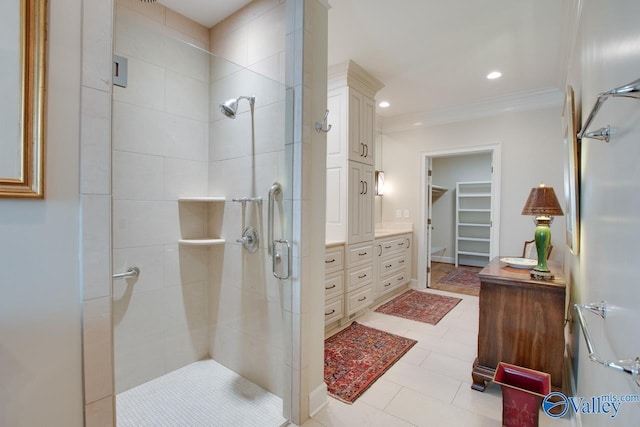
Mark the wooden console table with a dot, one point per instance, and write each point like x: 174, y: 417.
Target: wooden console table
x: 521, y: 322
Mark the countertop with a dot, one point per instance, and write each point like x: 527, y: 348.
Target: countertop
x: 383, y: 231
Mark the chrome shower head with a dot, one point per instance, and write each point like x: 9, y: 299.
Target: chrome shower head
x: 230, y: 106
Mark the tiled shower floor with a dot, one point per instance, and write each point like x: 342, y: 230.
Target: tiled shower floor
x: 203, y: 393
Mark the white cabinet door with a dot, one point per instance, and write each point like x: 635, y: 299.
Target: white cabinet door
x: 362, y: 113
x: 360, y: 227
x: 367, y: 226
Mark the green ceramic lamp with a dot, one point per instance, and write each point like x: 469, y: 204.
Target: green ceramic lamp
x: 543, y: 205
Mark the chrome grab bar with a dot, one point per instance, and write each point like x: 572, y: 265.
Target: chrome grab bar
x: 274, y: 192
x: 132, y: 272
x: 630, y: 366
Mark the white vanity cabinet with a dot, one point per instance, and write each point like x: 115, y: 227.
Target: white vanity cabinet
x: 333, y: 284
x: 359, y: 277
x: 392, y: 263
x: 350, y: 154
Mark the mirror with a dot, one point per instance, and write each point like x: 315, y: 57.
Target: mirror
x: 22, y: 89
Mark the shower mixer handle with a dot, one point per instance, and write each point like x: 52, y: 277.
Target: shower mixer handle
x: 250, y: 240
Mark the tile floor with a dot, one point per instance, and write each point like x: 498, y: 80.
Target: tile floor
x: 431, y: 384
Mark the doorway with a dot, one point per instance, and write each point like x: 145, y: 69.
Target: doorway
x: 431, y: 191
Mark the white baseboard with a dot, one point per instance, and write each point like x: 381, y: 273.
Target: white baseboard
x: 317, y: 399
x: 445, y: 259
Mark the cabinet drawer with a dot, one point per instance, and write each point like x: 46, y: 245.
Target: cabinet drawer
x: 334, y: 259
x: 390, y: 264
x: 333, y: 284
x: 333, y: 309
x: 391, y: 282
x: 392, y: 245
x: 357, y: 300
x: 359, y: 254
x: 357, y: 277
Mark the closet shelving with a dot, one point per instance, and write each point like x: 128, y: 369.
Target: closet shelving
x: 206, y: 214
x: 473, y: 223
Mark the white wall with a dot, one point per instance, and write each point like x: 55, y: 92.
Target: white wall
x: 607, y: 56
x: 532, y: 151
x: 40, y: 295
x: 447, y: 171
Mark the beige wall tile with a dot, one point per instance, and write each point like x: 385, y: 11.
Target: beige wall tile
x: 95, y: 140
x: 100, y: 413
x: 97, y: 348
x: 196, y: 32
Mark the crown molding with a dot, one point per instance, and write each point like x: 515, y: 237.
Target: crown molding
x: 520, y: 102
x: 351, y: 74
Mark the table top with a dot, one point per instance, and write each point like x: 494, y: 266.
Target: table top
x: 499, y: 272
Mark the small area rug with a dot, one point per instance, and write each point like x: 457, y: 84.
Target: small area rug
x: 421, y: 306
x: 357, y: 356
x: 462, y: 280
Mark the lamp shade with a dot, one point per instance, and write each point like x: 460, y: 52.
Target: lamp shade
x: 542, y: 201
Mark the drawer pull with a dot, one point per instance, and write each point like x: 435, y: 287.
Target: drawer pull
x: 330, y: 313
x: 329, y: 262
x: 387, y: 285
x: 388, y: 247
x: 363, y: 253
x: 388, y: 266
x: 401, y: 244
x: 330, y: 287
x: 401, y: 261
x: 400, y: 278
x: 362, y: 299
x: 362, y: 277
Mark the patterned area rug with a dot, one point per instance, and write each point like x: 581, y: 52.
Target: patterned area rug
x: 357, y: 356
x: 421, y: 306
x: 462, y: 280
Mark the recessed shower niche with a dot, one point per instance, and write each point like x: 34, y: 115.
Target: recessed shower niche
x: 201, y: 220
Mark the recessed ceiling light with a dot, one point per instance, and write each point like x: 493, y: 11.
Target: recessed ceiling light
x: 384, y: 104
x: 494, y: 75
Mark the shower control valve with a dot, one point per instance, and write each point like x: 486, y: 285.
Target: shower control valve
x: 250, y: 240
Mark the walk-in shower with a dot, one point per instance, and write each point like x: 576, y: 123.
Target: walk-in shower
x: 230, y: 107
x: 199, y: 334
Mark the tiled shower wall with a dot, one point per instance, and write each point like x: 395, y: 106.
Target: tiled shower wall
x: 160, y: 134
x: 166, y: 126
x: 246, y: 157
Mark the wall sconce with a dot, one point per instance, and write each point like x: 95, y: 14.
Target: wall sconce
x: 379, y: 183
x: 543, y: 205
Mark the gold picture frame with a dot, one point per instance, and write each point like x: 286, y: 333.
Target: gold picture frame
x: 571, y: 172
x: 26, y: 179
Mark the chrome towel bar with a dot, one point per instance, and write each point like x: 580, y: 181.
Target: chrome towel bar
x: 132, y: 272
x: 630, y: 366
x: 632, y: 90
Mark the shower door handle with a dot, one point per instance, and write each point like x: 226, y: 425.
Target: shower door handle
x: 276, y: 258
